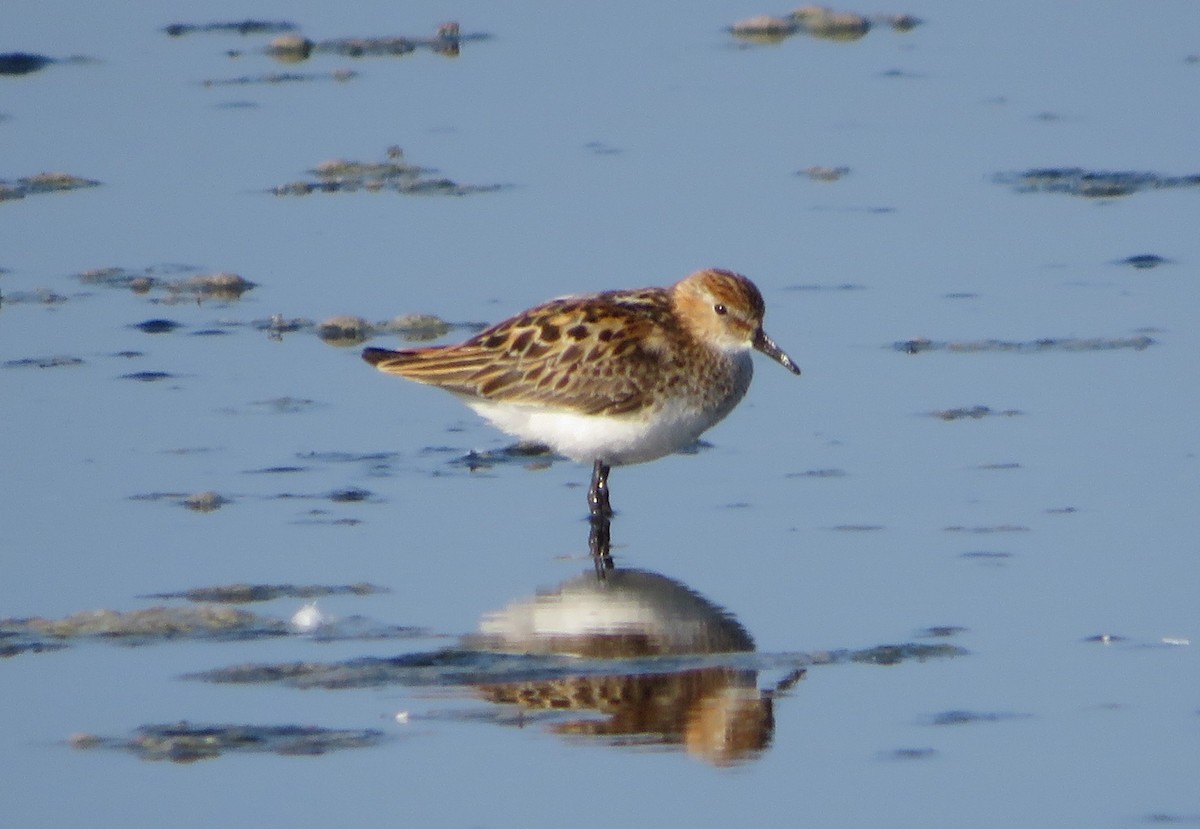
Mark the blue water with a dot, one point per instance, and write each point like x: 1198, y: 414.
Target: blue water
x: 635, y: 145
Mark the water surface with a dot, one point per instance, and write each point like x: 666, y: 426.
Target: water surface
x: 834, y: 513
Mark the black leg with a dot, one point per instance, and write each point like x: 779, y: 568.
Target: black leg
x: 599, y: 544
x: 598, y: 491
x: 600, y: 516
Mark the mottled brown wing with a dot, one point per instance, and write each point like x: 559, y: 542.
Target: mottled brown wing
x: 593, y: 355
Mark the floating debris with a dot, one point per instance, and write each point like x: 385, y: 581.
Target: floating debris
x: 967, y: 717
x: 984, y: 530
x: 22, y: 63
x: 942, y: 631
x: 1144, y: 261
x: 43, y: 183
x: 147, y: 376
x: 286, y: 405
x: 308, y: 618
x: 820, y: 173
x: 38, y: 296
x: 1092, y: 184
x: 986, y: 555
x: 241, y: 27
x: 921, y: 344
x: 909, y: 754
x: 1167, y: 817
x: 601, y: 148
x: 820, y: 22
x: 972, y: 413
x: 56, y: 361
x: 895, y: 654
x: 276, y: 78
x: 903, y: 22
x: 246, y: 593
x: 13, y: 645
x: 157, y: 326
x: 205, y: 501
x: 813, y: 286
x: 447, y: 41
x: 184, y: 742
x: 348, y: 457
x: 350, y: 495
x: 395, y: 174
x: 817, y: 473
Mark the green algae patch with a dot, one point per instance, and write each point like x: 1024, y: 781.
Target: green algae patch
x: 185, y: 742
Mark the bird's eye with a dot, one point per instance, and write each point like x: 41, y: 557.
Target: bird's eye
x: 720, y: 309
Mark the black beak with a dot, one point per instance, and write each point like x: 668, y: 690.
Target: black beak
x: 767, y: 346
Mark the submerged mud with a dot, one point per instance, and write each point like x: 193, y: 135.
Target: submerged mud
x: 240, y: 27
x: 393, y: 174
x: 459, y: 667
x: 246, y: 593
x: 138, y: 627
x: 185, y: 742
x: 279, y: 78
x: 194, y: 287
x: 1092, y: 184
x: 446, y: 41
x: 819, y: 22
x: 921, y: 345
x: 973, y: 413
x: 209, y: 618
x: 43, y: 183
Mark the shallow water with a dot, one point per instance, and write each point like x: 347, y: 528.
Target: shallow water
x: 832, y: 514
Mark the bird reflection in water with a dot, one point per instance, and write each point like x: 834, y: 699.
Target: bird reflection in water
x: 715, y: 712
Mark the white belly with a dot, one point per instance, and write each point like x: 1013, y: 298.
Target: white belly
x: 618, y: 440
